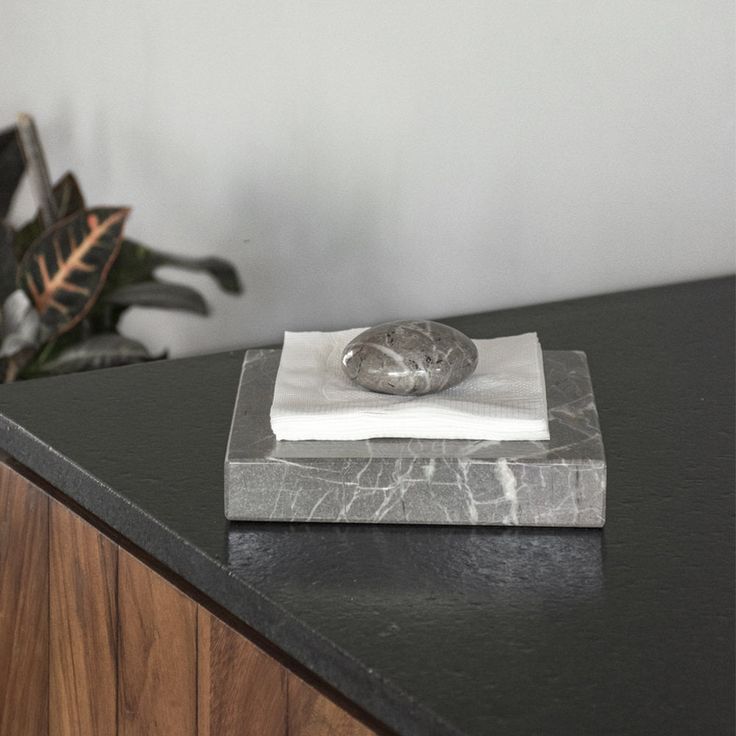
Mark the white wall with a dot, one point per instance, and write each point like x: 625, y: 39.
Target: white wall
x: 390, y: 158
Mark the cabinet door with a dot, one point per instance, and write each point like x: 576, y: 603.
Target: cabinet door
x: 242, y: 691
x: 24, y: 606
x: 94, y: 642
x: 157, y: 654
x: 312, y: 714
x: 83, y: 627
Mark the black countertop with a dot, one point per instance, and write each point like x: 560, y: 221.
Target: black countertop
x: 443, y: 630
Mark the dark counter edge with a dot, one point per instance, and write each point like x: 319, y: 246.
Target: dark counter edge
x: 381, y: 700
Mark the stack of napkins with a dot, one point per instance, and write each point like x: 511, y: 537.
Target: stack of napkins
x: 504, y: 399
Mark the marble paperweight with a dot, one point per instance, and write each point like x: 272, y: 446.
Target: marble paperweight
x: 409, y: 357
x: 557, y: 483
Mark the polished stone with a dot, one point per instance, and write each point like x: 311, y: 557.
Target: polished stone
x: 409, y: 358
x: 560, y: 482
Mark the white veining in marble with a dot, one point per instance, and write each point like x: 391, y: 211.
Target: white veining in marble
x: 508, y: 484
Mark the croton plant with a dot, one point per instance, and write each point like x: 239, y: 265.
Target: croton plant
x: 68, y: 275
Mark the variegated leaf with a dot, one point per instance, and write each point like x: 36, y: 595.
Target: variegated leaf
x: 69, y: 200
x: 64, y: 270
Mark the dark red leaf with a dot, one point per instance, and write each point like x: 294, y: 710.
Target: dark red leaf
x: 64, y: 270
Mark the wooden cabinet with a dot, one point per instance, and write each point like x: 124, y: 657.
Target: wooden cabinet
x: 82, y: 624
x: 233, y: 670
x: 93, y: 641
x: 24, y: 607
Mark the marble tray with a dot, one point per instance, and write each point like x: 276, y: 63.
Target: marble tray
x: 561, y: 482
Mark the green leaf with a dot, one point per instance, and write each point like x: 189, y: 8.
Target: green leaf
x: 54, y: 347
x: 65, y: 269
x: 69, y: 201
x: 137, y: 262
x: 8, y: 264
x: 222, y: 271
x: 12, y: 167
x: 100, y: 351
x: 160, y: 295
x: 68, y: 195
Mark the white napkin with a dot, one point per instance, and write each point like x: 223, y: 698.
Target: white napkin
x: 504, y: 399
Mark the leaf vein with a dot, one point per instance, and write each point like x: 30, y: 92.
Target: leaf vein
x: 75, y: 260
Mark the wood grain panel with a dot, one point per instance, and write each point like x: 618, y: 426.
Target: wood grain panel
x: 83, y: 619
x: 157, y: 654
x: 24, y: 606
x: 312, y: 714
x: 242, y: 690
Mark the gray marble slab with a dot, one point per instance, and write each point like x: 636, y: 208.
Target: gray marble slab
x: 561, y: 482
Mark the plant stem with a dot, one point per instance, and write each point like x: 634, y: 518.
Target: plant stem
x: 38, y: 172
